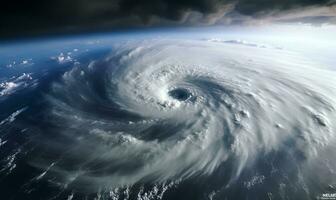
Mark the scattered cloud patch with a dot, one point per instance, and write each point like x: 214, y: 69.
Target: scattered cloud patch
x: 14, y: 84
x: 243, y: 42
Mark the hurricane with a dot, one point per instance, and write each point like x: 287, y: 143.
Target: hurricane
x: 161, y: 117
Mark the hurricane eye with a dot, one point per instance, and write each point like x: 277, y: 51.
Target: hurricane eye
x: 180, y: 94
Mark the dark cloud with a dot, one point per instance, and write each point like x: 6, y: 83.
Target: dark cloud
x: 249, y: 7
x: 41, y: 16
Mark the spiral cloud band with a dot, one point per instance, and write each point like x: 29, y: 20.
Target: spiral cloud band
x: 165, y: 112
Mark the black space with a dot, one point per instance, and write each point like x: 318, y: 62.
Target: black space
x: 36, y: 17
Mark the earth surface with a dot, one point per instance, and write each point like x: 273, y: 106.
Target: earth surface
x: 168, y: 114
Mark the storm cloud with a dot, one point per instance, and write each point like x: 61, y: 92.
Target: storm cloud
x: 39, y: 16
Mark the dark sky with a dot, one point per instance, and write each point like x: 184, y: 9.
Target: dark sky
x: 34, y: 17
